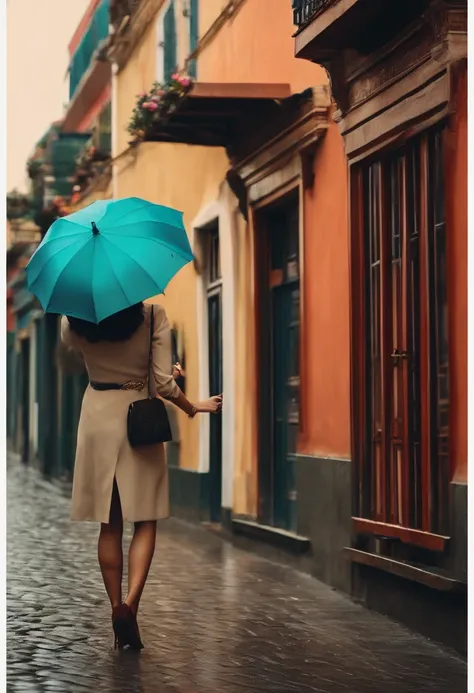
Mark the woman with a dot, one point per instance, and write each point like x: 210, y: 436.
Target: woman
x: 112, y: 481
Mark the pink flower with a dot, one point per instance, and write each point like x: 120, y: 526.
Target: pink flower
x: 152, y: 106
x: 156, y: 98
x: 146, y: 105
x: 175, y: 77
x: 185, y: 81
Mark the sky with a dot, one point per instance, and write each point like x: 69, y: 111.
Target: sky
x: 38, y: 33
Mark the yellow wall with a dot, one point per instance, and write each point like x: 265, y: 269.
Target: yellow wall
x: 178, y: 176
x: 139, y: 73
x: 137, y: 76
x: 187, y: 179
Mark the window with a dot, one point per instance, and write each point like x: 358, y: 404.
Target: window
x: 215, y: 363
x: 401, y: 397
x: 167, y: 60
x: 193, y: 35
x: 277, y: 258
x: 214, y: 261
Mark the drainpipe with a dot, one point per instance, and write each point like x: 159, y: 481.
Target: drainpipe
x: 114, y: 131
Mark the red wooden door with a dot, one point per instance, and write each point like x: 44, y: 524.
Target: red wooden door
x: 400, y: 387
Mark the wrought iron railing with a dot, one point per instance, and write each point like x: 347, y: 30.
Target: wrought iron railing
x: 305, y: 10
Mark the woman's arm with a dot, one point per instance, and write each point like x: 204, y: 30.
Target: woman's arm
x: 166, y: 386
x: 213, y: 405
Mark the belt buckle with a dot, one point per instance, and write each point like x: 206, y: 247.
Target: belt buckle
x: 133, y: 385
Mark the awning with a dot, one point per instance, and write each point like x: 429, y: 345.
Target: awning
x: 216, y: 114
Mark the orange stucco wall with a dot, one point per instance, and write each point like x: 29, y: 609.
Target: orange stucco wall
x: 256, y: 45
x: 457, y: 278
x: 245, y: 50
x: 326, y: 373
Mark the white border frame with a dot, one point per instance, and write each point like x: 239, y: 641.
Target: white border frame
x: 220, y: 212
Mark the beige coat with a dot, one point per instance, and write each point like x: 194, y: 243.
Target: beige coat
x: 103, y: 451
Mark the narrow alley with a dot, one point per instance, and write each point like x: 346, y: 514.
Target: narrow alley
x: 214, y: 619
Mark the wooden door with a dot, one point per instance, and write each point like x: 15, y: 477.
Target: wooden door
x: 214, y: 314
x: 279, y: 380
x: 399, y: 327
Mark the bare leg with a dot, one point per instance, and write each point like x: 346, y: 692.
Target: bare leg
x: 110, y: 550
x: 140, y: 556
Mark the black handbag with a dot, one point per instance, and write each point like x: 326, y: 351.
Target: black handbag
x: 147, y: 421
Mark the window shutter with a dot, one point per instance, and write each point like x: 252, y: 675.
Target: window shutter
x: 169, y: 31
x: 193, y: 36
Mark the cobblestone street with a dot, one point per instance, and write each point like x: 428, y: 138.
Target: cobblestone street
x: 214, y: 619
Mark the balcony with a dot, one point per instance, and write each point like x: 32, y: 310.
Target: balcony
x: 305, y: 11
x: 18, y: 205
x: 325, y: 28
x: 64, y: 151
x: 94, y: 39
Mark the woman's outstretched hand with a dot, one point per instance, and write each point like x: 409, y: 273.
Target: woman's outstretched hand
x: 178, y: 371
x: 213, y: 405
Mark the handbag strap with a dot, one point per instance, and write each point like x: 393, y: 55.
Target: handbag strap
x: 150, y: 353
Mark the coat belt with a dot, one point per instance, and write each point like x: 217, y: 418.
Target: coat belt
x: 130, y: 385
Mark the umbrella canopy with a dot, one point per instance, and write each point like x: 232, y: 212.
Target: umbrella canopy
x: 107, y: 257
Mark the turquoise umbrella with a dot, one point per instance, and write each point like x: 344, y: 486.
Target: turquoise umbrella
x: 108, y: 256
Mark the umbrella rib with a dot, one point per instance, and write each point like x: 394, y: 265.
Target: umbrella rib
x: 153, y: 221
x: 94, y: 255
x: 118, y: 280
x: 30, y: 286
x: 55, y: 238
x: 61, y: 273
x: 155, y: 240
x: 145, y: 203
x: 129, y: 257
x: 74, y: 223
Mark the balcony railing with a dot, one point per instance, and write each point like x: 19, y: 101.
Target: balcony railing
x: 305, y: 10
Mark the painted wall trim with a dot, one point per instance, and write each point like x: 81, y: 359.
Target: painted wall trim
x: 218, y: 210
x: 205, y: 217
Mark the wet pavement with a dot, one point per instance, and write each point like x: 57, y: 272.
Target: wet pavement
x: 214, y: 619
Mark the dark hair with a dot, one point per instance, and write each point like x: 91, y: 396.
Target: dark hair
x: 116, y: 328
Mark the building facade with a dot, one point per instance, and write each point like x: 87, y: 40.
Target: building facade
x: 322, y: 178
x: 399, y: 76
x: 252, y: 156
x: 69, y: 168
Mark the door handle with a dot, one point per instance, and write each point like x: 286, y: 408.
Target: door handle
x: 397, y: 356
